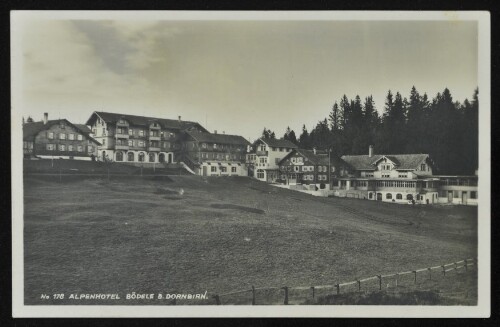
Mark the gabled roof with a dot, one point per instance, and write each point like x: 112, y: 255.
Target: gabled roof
x: 218, y: 138
x: 31, y: 130
x: 111, y: 117
x: 402, y: 161
x: 84, y: 128
x: 277, y: 143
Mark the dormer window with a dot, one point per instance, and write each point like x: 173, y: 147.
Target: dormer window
x: 422, y: 167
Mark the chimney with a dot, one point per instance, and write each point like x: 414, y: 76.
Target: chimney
x: 314, y: 150
x: 370, y: 151
x: 223, y: 132
x: 45, y: 117
x: 215, y: 131
x: 179, y: 119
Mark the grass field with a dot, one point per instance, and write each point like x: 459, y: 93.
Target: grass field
x: 219, y: 235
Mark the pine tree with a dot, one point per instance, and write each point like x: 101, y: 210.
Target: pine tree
x: 304, y: 138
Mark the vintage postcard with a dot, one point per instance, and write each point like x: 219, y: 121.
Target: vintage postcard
x: 250, y: 164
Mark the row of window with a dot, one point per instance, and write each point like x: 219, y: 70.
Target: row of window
x: 222, y: 169
x: 297, y: 160
x: 68, y: 147
x: 221, y: 156
x: 388, y: 196
x: 321, y: 169
x: 135, y: 132
x: 64, y: 136
x: 456, y: 194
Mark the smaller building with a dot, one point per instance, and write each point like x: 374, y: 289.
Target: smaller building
x: 458, y: 189
x: 264, y: 157
x: 57, y: 139
x: 309, y: 167
x: 209, y: 154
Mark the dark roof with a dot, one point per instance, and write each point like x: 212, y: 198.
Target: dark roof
x: 402, y: 161
x: 84, y: 128
x: 30, y: 130
x: 111, y: 117
x: 316, y: 159
x: 218, y: 138
x: 278, y: 143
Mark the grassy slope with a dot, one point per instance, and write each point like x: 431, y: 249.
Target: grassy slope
x: 118, y: 236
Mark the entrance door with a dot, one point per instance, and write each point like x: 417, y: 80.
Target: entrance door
x: 450, y: 196
x: 379, y: 196
x: 204, y: 170
x: 464, y: 197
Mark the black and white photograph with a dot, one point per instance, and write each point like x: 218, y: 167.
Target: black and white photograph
x: 245, y: 164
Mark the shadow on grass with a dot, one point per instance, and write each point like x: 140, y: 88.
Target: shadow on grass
x: 237, y: 207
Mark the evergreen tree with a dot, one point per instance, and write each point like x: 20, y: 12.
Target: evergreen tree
x: 304, y: 138
x: 334, y: 116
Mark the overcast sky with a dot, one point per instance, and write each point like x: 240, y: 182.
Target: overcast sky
x: 238, y: 76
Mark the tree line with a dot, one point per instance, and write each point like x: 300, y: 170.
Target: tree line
x: 445, y: 129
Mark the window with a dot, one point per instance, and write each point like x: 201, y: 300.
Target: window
x: 422, y: 167
x: 130, y: 142
x: 456, y: 194
x: 262, y: 148
x: 79, y: 137
x: 151, y: 157
x: 215, y: 146
x: 473, y: 194
x: 62, y: 125
x: 50, y: 147
x: 223, y: 169
x: 281, y: 149
x: 388, y: 196
x: 409, y: 197
x: 103, y: 131
x: 71, y: 136
x: 130, y: 156
x: 274, y: 149
x: 370, y: 195
x: 296, y: 168
x: 204, y: 145
x: 80, y: 148
x: 62, y: 136
x: 141, y: 157
x: 70, y: 148
x: 260, y: 174
x: 119, y: 156
x: 399, y: 196
x: 140, y: 143
x: 277, y: 160
x: 62, y: 147
x: 141, y: 132
x: 233, y: 169
x: 130, y: 132
x: 50, y: 136
x: 90, y: 149
x: 213, y: 169
x: 103, y: 141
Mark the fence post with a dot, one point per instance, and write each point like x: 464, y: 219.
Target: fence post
x: 430, y: 273
x: 415, y: 273
x: 338, y: 288
x: 465, y: 264
x: 359, y: 285
x: 312, y: 288
x: 253, y: 295
x: 286, y: 294
x: 379, y: 282
x: 397, y: 280
x: 217, y: 299
x: 455, y: 265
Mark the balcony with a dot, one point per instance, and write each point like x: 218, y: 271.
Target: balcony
x: 262, y: 153
x: 121, y: 147
x: 122, y: 136
x: 154, y: 148
x: 154, y: 138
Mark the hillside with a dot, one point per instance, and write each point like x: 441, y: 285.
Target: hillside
x: 188, y: 234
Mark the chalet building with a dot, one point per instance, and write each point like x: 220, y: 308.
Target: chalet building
x: 390, y: 178
x: 458, y: 189
x: 58, y: 139
x: 138, y: 140
x: 214, y: 154
x: 306, y: 167
x: 264, y: 157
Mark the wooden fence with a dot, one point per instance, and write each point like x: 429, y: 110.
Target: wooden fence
x: 374, y: 282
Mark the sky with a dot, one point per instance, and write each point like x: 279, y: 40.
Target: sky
x: 237, y: 76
